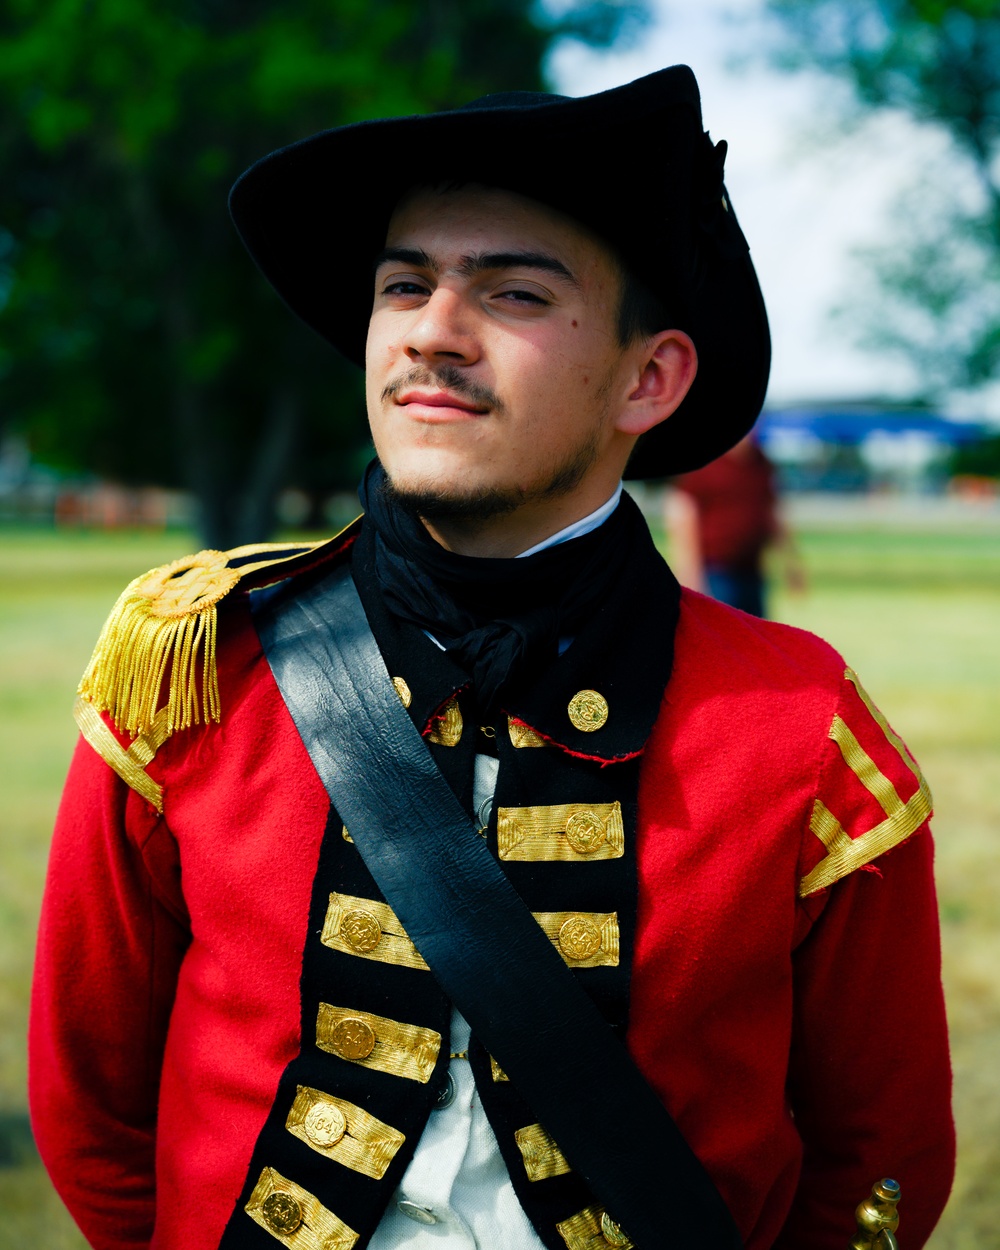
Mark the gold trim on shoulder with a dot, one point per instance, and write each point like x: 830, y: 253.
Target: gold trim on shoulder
x: 128, y: 764
x: 447, y: 727
x: 542, y: 1157
x: 344, y: 1132
x: 497, y: 1072
x: 585, y: 939
x: 372, y: 1041
x: 370, y: 929
x: 585, y: 1231
x: 295, y: 1217
x: 844, y: 853
x: 523, y: 735
x: 160, y: 640
x: 573, y: 832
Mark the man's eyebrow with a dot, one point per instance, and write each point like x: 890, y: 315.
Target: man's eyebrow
x: 478, y: 262
x: 415, y: 256
x: 481, y: 261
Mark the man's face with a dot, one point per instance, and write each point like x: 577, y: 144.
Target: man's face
x: 493, y: 363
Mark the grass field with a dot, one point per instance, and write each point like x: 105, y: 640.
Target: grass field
x: 916, y: 612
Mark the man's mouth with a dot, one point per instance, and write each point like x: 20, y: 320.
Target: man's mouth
x: 443, y: 404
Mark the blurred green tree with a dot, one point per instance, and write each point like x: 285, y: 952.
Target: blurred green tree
x: 136, y: 339
x: 937, y: 282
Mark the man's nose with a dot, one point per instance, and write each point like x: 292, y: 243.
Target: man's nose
x: 443, y: 331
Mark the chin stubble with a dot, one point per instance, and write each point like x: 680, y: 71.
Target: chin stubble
x: 488, y: 503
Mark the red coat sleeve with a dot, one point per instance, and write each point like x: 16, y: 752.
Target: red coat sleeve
x: 113, y: 934
x: 869, y: 1073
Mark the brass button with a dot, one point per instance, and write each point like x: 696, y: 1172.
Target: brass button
x: 361, y: 930
x: 612, y: 1233
x: 586, y: 832
x: 588, y: 711
x: 352, y: 1038
x: 522, y: 735
x: 580, y: 937
x: 324, y: 1124
x: 282, y: 1213
x: 403, y: 690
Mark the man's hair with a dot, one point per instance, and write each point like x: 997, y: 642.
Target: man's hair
x: 641, y: 314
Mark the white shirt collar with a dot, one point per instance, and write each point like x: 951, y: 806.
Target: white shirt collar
x: 578, y: 528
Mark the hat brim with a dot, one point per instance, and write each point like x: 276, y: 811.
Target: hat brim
x: 314, y: 216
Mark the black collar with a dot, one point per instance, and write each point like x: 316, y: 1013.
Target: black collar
x: 625, y: 655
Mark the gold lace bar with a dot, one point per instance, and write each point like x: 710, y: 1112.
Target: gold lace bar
x: 585, y: 939
x: 447, y: 728
x: 294, y: 1217
x: 844, y: 853
x: 542, y: 1157
x: 369, y: 929
x: 343, y: 1132
x: 586, y: 1231
x: 372, y: 1041
x: 130, y: 765
x: 573, y: 832
x: 523, y: 735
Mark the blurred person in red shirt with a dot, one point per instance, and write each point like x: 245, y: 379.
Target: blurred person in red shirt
x: 721, y: 519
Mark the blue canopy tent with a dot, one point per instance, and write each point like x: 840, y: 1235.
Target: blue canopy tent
x: 854, y: 447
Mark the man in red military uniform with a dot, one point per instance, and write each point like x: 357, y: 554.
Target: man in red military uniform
x: 236, y: 1042
x: 721, y: 519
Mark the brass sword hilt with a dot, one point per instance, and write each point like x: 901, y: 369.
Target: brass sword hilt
x: 878, y: 1218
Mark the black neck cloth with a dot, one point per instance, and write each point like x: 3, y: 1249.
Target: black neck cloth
x: 500, y: 619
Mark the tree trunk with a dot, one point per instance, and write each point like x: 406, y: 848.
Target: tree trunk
x: 269, y: 467
x: 204, y: 467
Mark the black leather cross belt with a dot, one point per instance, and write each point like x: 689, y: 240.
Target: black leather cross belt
x: 480, y: 941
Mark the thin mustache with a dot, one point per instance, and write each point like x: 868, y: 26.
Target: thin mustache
x: 451, y: 379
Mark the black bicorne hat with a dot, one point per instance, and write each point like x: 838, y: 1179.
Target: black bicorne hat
x: 633, y: 164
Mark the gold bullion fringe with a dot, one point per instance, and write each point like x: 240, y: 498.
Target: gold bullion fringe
x: 129, y: 664
x: 166, y: 620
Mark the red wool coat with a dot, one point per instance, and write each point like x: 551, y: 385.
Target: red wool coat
x: 785, y: 1002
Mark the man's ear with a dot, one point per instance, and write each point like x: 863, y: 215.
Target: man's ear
x: 667, y: 367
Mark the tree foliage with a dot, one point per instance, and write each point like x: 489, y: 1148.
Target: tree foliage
x: 939, y: 62
x: 136, y: 339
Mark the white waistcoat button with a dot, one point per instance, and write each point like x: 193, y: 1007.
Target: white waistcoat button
x: 423, y: 1215
x: 446, y: 1096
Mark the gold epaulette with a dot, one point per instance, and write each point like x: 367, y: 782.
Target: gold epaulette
x: 160, y: 639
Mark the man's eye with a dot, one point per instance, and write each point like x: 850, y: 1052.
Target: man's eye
x: 405, y: 288
x: 519, y: 296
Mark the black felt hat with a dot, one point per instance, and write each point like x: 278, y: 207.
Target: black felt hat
x: 633, y: 164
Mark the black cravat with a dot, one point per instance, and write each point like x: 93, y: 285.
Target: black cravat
x: 500, y: 619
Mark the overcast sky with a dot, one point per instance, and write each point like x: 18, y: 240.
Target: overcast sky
x: 805, y: 195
